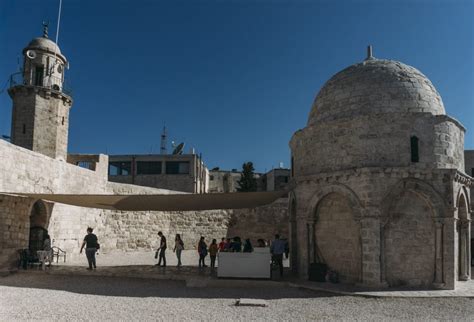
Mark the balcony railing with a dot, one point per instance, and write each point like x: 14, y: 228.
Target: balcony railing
x: 49, y: 82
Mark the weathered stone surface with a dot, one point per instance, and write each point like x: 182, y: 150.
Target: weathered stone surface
x: 375, y: 86
x: 358, y: 145
x: 338, y: 237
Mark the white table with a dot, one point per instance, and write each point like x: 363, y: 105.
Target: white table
x: 245, y: 265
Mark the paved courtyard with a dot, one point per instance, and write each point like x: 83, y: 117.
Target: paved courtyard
x: 118, y: 258
x: 47, y: 297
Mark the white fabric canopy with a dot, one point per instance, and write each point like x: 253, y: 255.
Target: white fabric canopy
x: 173, y: 202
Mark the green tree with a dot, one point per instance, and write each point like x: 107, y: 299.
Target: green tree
x: 247, y: 180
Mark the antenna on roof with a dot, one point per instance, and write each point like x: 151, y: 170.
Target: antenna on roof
x: 179, y: 149
x: 164, y: 142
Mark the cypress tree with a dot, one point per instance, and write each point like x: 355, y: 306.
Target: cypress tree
x: 247, y: 180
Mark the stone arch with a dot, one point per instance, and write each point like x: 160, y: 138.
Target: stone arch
x: 335, y: 232
x: 418, y: 187
x: 463, y: 204
x: 411, y: 243
x: 293, y: 232
x: 40, y: 214
x: 463, y: 236
x: 340, y: 189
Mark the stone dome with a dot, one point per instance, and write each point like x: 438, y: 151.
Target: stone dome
x: 43, y: 43
x: 375, y: 86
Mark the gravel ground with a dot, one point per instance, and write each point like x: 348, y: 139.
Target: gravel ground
x: 48, y: 297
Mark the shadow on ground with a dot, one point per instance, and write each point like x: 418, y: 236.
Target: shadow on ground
x: 140, y: 287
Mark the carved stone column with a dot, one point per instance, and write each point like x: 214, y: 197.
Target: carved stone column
x: 371, y: 230
x: 463, y: 252
x: 439, y: 239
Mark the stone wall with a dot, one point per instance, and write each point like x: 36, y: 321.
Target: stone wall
x: 262, y: 222
x: 25, y: 171
x: 14, y: 227
x: 410, y: 243
x: 373, y: 193
x: 350, y: 143
x: 469, y: 165
x: 337, y: 236
x: 176, y: 182
x: 469, y: 162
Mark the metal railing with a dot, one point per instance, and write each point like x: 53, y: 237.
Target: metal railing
x: 50, y: 82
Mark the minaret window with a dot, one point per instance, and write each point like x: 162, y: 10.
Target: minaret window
x: 415, y: 157
x: 39, y: 75
x: 24, y: 129
x: 292, y: 167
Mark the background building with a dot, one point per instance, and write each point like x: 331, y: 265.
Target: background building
x: 227, y: 181
x: 180, y: 172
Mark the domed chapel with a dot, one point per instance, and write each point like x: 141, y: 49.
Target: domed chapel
x: 380, y: 195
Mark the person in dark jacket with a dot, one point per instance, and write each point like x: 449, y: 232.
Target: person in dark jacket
x: 162, y: 249
x: 277, y: 250
x: 202, y: 250
x: 248, y: 246
x: 213, y: 249
x: 91, y: 243
x: 236, y: 245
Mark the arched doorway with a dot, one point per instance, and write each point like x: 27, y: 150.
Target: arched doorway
x: 410, y: 242
x: 336, y: 237
x: 293, y: 237
x: 463, y: 228
x: 39, y: 221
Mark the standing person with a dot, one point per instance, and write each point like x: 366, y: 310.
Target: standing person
x: 178, y: 248
x: 278, y: 249
x: 91, y: 243
x: 162, y: 249
x: 49, y: 251
x: 248, y: 246
x: 227, y: 245
x: 202, y: 250
x: 213, y: 249
x: 236, y: 245
x: 222, y: 244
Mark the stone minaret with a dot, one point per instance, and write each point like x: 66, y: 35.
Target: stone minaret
x: 41, y: 102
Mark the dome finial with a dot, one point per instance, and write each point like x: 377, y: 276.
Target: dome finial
x: 45, y: 29
x: 369, y: 52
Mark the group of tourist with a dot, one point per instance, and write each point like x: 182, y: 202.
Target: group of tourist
x: 278, y: 248
x: 226, y: 245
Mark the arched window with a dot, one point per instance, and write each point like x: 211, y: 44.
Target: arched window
x: 415, y: 157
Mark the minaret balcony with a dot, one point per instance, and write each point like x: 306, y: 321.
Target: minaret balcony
x: 49, y: 83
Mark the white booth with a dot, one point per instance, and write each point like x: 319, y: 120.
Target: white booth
x: 245, y: 265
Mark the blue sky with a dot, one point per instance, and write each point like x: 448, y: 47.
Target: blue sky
x: 233, y: 79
